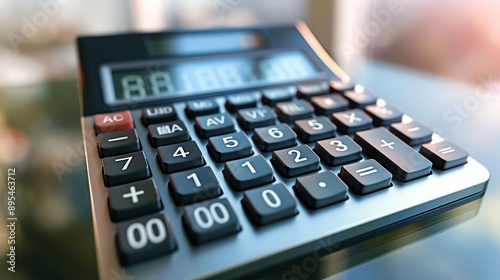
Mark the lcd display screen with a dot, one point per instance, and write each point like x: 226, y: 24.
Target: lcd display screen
x: 164, y: 80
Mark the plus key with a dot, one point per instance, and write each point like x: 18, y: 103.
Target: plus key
x: 397, y: 157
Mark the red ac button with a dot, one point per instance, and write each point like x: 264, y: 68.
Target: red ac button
x: 113, y: 122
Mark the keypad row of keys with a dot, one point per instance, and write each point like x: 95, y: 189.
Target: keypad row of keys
x: 193, y: 186
x: 308, y: 128
x: 318, y: 94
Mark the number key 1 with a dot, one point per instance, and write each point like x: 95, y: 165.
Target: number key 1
x: 338, y: 150
x: 247, y: 173
x: 194, y: 185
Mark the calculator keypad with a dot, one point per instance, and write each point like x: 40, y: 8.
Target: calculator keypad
x: 280, y: 150
x: 359, y: 98
x: 241, y: 101
x: 329, y: 104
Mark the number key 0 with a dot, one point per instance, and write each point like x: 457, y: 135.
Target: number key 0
x: 268, y: 204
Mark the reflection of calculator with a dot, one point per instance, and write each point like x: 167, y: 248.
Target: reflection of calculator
x: 223, y: 152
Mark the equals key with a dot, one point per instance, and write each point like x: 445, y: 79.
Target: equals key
x: 445, y: 154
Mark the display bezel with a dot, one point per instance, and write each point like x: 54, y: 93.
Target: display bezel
x: 106, y: 75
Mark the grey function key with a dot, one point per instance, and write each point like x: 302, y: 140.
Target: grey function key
x: 213, y: 125
x: 197, y: 108
x: 240, y: 101
x: 445, y: 154
x: 158, y: 114
x: 412, y: 133
x: 118, y: 142
x: 400, y: 159
x: 294, y: 110
x: 365, y: 177
x: 256, y: 117
x: 168, y: 133
x: 274, y: 95
x: 351, y: 121
x: 307, y: 91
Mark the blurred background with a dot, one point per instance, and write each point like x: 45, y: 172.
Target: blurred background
x: 455, y: 42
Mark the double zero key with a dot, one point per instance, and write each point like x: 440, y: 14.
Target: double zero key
x: 210, y: 220
x: 144, y: 238
x: 400, y: 159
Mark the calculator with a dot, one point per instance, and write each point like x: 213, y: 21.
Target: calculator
x: 219, y: 153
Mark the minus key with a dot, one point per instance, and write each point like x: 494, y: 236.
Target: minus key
x: 120, y: 142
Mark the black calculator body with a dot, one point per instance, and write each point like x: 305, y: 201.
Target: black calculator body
x: 218, y: 153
